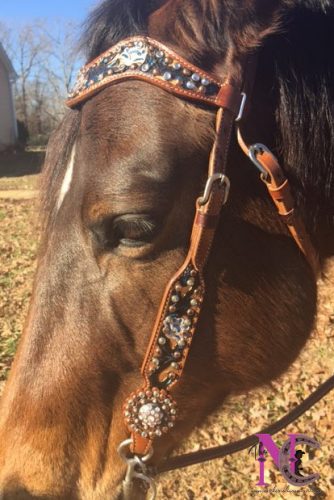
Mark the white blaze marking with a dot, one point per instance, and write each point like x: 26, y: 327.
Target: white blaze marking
x: 65, y: 187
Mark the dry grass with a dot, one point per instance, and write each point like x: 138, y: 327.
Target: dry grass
x: 232, y: 477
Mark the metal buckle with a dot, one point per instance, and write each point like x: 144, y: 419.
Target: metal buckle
x: 136, y: 469
x: 258, y: 149
x: 242, y: 107
x: 223, y: 181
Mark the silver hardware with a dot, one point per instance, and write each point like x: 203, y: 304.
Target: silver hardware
x: 131, y: 55
x: 223, y: 182
x: 167, y: 75
x: 136, y: 469
x: 242, y: 107
x: 191, y: 85
x: 254, y: 151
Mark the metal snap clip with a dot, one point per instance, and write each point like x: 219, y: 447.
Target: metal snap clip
x: 136, y: 469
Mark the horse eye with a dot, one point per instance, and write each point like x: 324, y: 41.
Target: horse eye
x: 127, y: 230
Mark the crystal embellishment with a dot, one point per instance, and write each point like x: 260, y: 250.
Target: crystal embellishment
x: 150, y: 414
x: 175, y: 327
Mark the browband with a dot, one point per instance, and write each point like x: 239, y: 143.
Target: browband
x: 142, y: 58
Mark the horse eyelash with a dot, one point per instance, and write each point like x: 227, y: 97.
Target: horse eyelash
x: 136, y: 226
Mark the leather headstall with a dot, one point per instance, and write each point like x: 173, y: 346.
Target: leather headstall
x: 151, y: 411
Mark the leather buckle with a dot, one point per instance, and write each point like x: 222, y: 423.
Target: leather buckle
x: 223, y: 182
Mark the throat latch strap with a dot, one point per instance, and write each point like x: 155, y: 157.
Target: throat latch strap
x: 278, y: 187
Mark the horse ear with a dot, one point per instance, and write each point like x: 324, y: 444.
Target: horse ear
x: 254, y: 20
x: 113, y: 20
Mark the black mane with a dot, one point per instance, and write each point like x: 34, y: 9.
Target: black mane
x: 114, y: 20
x: 305, y: 74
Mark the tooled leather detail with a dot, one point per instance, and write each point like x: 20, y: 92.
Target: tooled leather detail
x: 142, y: 58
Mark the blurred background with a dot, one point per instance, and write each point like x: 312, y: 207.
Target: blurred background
x: 38, y: 63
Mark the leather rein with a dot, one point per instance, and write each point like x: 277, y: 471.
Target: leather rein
x: 151, y: 411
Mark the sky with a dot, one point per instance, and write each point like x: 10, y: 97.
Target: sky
x: 22, y: 11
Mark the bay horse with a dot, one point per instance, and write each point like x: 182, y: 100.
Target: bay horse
x: 121, y: 175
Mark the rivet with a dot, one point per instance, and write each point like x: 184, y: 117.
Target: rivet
x: 167, y: 75
x: 191, y: 85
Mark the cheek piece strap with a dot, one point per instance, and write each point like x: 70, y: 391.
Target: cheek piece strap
x: 151, y: 411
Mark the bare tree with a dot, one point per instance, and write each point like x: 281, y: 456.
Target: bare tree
x: 61, y: 73
x: 45, y: 62
x: 32, y: 48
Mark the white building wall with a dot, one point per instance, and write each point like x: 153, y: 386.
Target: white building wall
x: 8, y: 127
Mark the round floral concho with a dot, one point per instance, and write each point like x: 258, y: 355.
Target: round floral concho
x: 150, y: 413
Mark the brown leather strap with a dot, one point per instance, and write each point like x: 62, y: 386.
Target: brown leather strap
x: 201, y: 456
x: 280, y: 192
x: 200, y: 244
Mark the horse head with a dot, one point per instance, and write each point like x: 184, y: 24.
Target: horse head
x: 119, y: 186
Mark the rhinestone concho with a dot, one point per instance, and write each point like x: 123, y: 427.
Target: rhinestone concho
x: 150, y: 413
